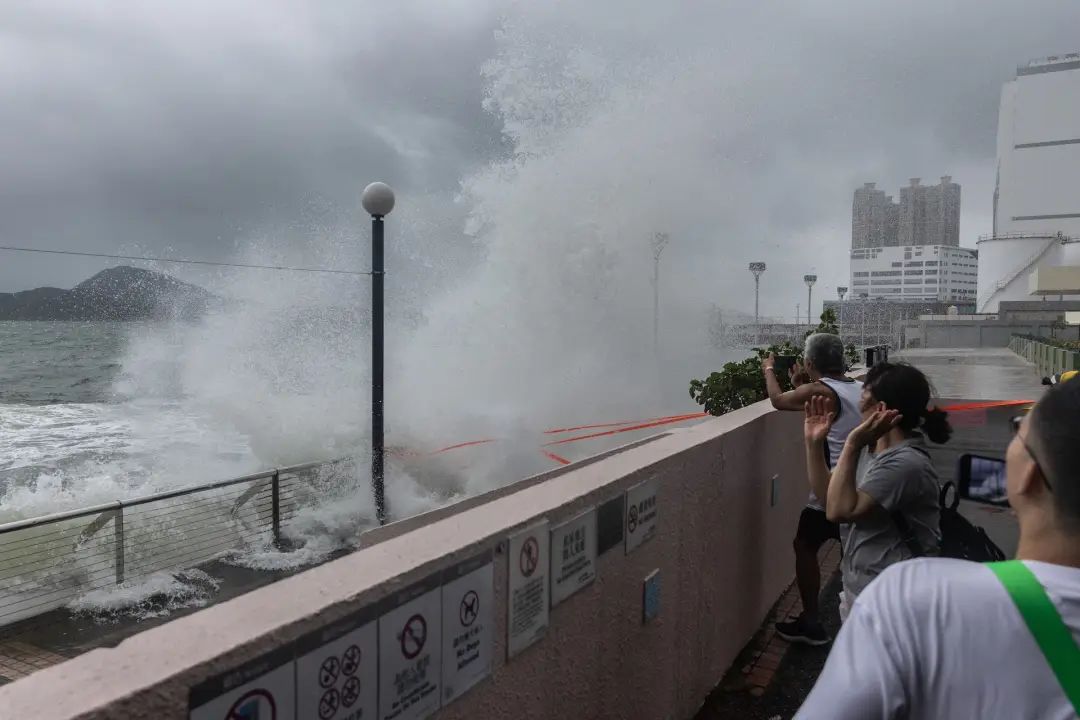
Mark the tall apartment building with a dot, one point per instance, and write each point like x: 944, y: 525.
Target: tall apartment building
x: 892, y: 222
x: 925, y: 215
x: 930, y: 215
x: 874, y: 218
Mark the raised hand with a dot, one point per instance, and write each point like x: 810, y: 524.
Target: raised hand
x: 797, y: 375
x: 818, y: 419
x: 881, y: 421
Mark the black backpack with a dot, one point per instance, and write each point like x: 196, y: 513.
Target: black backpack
x: 960, y: 538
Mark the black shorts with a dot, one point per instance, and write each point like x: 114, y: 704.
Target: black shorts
x: 815, y: 528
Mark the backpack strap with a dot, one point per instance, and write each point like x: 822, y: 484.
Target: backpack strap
x: 906, y: 533
x: 1051, y: 633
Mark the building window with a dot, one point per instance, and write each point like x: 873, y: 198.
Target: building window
x: 914, y: 263
x: 886, y: 273
x: 861, y: 274
x: 898, y: 264
x: 909, y: 273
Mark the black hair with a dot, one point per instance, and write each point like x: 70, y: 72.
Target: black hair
x: 1054, y: 437
x: 903, y: 387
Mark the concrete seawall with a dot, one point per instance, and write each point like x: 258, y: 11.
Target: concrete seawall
x: 728, y: 494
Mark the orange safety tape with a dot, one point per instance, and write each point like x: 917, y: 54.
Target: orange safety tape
x: 632, y: 428
x: 464, y: 444
x: 557, y: 458
x: 620, y: 424
x: 556, y: 431
x: 637, y: 425
x: 984, y: 405
x: 634, y: 425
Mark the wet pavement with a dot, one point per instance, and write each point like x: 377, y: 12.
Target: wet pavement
x: 976, y: 373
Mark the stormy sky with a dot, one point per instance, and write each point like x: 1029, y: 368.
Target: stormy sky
x: 190, y: 129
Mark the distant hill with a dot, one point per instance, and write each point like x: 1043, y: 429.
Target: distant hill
x: 119, y: 293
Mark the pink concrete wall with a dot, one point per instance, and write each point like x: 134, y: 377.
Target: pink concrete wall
x: 722, y: 548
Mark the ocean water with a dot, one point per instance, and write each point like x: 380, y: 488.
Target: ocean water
x: 45, y: 363
x: 71, y: 436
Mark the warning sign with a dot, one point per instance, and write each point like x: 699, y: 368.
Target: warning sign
x: 573, y: 556
x: 641, y: 514
x: 529, y: 557
x: 527, y: 598
x: 336, y: 671
x: 409, y: 654
x: 468, y: 597
x: 263, y: 689
x: 413, y: 636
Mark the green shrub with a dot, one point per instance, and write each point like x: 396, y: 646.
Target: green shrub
x: 742, y: 383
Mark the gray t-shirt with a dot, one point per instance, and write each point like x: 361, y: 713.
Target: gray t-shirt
x: 902, y: 479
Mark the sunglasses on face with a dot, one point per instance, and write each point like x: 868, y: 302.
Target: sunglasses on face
x: 1015, y: 424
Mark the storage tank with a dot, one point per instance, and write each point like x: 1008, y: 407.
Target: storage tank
x: 1036, y: 205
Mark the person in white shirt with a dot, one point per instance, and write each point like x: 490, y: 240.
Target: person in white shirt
x: 944, y: 638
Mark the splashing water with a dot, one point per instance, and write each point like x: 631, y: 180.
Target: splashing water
x: 528, y: 304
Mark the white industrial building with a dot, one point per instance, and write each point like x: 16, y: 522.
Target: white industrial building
x: 914, y: 272
x: 1037, y: 197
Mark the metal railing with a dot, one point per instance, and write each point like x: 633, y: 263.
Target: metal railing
x: 47, y: 562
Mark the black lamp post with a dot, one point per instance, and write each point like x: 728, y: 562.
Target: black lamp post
x: 378, y: 201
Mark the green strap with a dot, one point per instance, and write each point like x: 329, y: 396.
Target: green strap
x: 1043, y: 620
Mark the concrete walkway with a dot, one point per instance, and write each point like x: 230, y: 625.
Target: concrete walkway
x: 977, y: 373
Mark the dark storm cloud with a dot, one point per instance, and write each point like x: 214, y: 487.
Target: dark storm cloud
x: 145, y: 125
x: 186, y: 125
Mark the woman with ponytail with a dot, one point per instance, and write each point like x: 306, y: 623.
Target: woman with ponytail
x: 884, y: 488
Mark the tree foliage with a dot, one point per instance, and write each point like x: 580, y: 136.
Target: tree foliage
x: 742, y: 383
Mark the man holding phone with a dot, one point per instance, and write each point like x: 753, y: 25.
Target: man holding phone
x: 824, y: 375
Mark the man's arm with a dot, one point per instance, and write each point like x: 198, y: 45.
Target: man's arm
x: 792, y: 399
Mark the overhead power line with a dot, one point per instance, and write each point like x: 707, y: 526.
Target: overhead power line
x: 184, y: 262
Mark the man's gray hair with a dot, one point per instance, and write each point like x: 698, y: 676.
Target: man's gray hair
x: 826, y: 352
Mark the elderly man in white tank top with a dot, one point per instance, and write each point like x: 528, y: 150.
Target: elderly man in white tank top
x: 825, y: 366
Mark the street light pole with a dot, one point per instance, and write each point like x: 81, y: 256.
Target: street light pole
x: 660, y: 241
x: 757, y: 268
x: 378, y: 201
x: 809, y: 280
x: 865, y: 302
x: 841, y: 291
